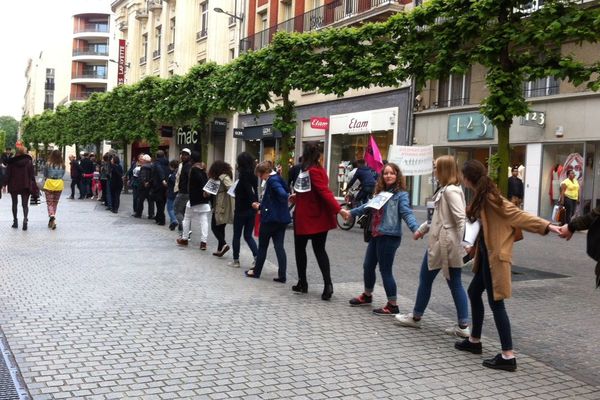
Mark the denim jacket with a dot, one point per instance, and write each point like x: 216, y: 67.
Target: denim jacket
x: 53, y: 172
x: 397, y: 207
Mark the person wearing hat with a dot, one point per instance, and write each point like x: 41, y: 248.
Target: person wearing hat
x: 181, y: 186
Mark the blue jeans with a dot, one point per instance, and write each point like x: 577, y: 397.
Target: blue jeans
x: 483, y: 281
x: 275, y: 231
x: 426, y: 278
x: 243, y: 223
x: 171, y: 210
x: 382, y: 250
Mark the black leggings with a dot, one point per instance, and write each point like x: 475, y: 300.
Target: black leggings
x: 483, y: 281
x: 24, y: 203
x: 219, y: 232
x: 570, y: 208
x: 318, y: 244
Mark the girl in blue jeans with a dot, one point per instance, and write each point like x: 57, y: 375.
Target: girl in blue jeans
x: 386, y: 234
x: 445, y: 251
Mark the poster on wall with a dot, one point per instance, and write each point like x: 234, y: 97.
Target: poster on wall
x: 412, y: 160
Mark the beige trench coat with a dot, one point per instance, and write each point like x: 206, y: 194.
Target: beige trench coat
x: 498, y: 223
x: 224, y: 203
x: 446, y: 231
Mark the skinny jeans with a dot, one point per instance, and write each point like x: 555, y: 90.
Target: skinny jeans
x: 381, y: 250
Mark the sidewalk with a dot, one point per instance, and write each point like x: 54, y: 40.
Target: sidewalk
x: 107, y: 307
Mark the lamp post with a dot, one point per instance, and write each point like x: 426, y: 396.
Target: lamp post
x: 238, y: 27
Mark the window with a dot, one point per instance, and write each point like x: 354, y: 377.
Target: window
x: 231, y: 54
x: 287, y: 15
x: 263, y: 34
x: 546, y: 86
x: 49, y: 100
x: 49, y: 83
x: 172, y: 30
x: 204, y: 19
x: 50, y: 72
x: 158, y: 36
x: 453, y: 90
x: 95, y: 71
x: 145, y: 45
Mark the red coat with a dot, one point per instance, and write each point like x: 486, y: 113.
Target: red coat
x: 316, y: 210
x: 20, y: 174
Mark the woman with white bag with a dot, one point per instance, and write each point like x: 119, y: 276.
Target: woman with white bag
x: 54, y: 170
x: 445, y: 250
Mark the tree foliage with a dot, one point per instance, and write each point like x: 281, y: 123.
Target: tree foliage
x: 10, y: 126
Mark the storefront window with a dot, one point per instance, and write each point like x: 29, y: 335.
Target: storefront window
x: 253, y: 147
x: 347, y: 148
x: 554, y: 171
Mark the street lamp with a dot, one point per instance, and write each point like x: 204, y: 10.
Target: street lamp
x: 221, y: 11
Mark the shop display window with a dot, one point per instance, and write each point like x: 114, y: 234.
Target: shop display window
x: 554, y: 171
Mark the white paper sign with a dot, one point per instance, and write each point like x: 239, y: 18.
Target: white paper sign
x: 302, y: 184
x: 231, y: 190
x: 379, y: 201
x: 212, y: 186
x: 412, y: 160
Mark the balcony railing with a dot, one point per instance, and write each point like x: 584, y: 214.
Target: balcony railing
x: 142, y: 60
x: 89, y: 52
x: 202, y: 34
x: 171, y: 47
x: 320, y: 17
x: 102, y: 28
x: 48, y: 106
x: 49, y: 86
x: 155, y: 54
x: 89, y: 76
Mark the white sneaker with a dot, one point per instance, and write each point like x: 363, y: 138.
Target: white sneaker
x: 407, y: 320
x: 234, y: 264
x: 458, y: 331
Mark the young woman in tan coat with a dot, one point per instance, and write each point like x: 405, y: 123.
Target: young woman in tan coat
x: 445, y: 251
x: 499, y: 220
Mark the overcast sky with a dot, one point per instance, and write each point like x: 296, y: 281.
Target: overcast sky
x: 26, y: 28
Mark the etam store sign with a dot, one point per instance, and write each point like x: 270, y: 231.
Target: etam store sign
x: 363, y: 122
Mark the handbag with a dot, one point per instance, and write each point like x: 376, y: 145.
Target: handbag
x: 256, y: 224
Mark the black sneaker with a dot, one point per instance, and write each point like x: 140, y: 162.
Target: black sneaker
x: 173, y: 225
x: 361, y: 300
x: 466, y: 345
x: 388, y: 309
x: 500, y: 363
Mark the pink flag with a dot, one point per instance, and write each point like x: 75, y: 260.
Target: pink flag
x: 373, y: 156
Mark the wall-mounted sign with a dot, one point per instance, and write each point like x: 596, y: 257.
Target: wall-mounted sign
x: 319, y: 123
x: 219, y: 125
x: 534, y: 118
x: 260, y: 132
x: 238, y: 133
x: 121, y: 63
x: 469, y: 126
x: 412, y: 160
x: 187, y: 136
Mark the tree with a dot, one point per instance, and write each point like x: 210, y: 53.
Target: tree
x: 10, y: 126
x: 2, y: 139
x: 514, y: 44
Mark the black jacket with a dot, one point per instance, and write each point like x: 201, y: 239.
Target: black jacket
x: 365, y: 176
x: 197, y: 181
x: 146, y: 177
x: 515, y: 187
x: 87, y: 166
x: 246, y: 193
x: 160, y: 173
x: 184, y: 178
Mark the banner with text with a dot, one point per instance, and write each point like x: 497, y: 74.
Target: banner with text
x: 121, y: 63
x: 412, y: 160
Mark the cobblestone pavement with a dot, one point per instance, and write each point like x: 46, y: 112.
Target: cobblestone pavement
x: 107, y: 307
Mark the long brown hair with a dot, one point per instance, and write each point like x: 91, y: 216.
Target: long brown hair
x: 400, y: 180
x: 447, y: 171
x: 485, y: 190
x: 55, y: 159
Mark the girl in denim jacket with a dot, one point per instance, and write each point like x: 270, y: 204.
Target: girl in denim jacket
x: 386, y: 234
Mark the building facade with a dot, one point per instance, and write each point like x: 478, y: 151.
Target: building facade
x: 168, y: 37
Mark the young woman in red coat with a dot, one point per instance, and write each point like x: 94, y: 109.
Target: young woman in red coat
x: 20, y: 179
x: 316, y: 208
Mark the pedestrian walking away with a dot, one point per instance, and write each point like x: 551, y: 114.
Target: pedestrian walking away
x: 158, y: 191
x: 246, y: 193
x: 87, y: 173
x: 171, y: 194
x: 54, y: 171
x: 314, y: 217
x: 75, y: 172
x: 386, y: 234
x: 500, y: 222
x: 145, y: 188
x: 444, y: 251
x: 197, y: 209
x: 133, y: 180
x: 181, y: 186
x: 274, y: 219
x: 20, y: 180
x: 223, y: 204
x: 115, y: 183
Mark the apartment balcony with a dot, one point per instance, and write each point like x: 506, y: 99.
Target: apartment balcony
x: 83, y: 95
x: 141, y: 14
x: 88, y: 78
x: 93, y: 28
x: 155, y: 54
x: 154, y: 5
x: 143, y: 60
x: 170, y: 47
x: 335, y: 14
x: 91, y: 52
x: 201, y: 35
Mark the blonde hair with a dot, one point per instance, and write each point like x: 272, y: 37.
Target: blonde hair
x: 447, y: 171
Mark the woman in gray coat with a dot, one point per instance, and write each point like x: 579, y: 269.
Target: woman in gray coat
x: 445, y: 251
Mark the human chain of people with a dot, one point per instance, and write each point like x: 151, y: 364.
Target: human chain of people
x: 256, y: 200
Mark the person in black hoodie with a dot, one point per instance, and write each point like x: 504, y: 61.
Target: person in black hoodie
x: 160, y: 173
x: 115, y: 182
x: 20, y: 179
x: 75, y: 170
x: 197, y: 208
x: 145, y: 188
x: 246, y: 193
x: 181, y: 186
x: 87, y: 171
